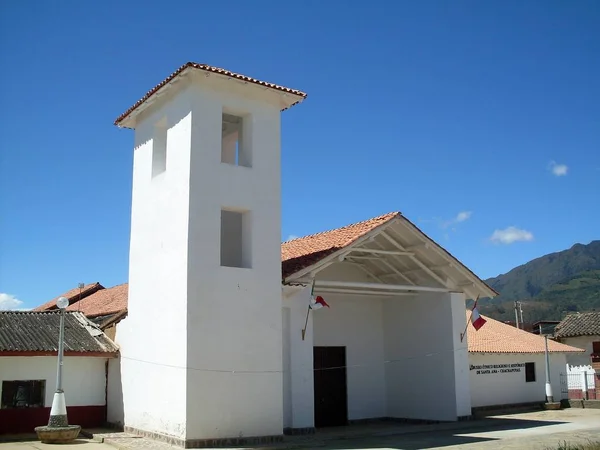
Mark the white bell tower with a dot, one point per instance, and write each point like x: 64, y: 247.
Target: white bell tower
x: 202, y: 344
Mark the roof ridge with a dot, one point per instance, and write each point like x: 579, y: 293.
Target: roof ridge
x: 321, y: 233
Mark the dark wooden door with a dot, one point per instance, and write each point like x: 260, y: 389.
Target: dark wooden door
x: 331, y: 398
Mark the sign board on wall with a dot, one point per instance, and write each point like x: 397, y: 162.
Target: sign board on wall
x: 483, y: 369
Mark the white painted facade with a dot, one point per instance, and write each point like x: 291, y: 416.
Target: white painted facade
x: 404, y: 355
x: 502, y: 387
x: 584, y: 342
x: 218, y: 353
x: 84, y: 378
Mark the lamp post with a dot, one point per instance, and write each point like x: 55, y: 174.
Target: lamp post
x: 549, y: 396
x: 58, y: 430
x: 58, y: 413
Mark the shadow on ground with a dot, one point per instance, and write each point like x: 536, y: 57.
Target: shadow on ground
x: 422, y: 437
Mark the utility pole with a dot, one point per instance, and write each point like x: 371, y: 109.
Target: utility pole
x: 521, y: 314
x: 516, y: 313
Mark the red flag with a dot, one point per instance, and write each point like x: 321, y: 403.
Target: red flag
x: 318, y: 302
x: 476, y: 319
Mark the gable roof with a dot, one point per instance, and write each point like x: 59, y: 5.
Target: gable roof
x: 298, y: 255
x: 209, y: 69
x: 103, y: 302
x: 27, y: 331
x: 72, y: 295
x: 303, y: 252
x: 579, y: 324
x: 498, y: 337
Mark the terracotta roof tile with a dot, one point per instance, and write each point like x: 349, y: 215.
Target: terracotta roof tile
x: 103, y: 302
x: 72, y: 295
x: 498, y: 337
x: 300, y: 253
x: 579, y: 324
x: 212, y: 69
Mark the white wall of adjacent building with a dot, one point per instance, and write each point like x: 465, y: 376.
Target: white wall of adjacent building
x: 84, y: 378
x: 584, y: 342
x: 506, y: 383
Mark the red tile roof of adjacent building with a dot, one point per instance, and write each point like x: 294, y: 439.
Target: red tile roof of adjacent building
x: 206, y: 68
x: 498, y: 337
x: 72, y: 295
x: 303, y: 252
x: 103, y: 302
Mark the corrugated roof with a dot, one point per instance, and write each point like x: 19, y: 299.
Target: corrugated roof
x: 498, y: 337
x: 579, y: 324
x: 212, y: 69
x: 33, y: 331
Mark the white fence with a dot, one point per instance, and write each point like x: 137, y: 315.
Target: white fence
x: 580, y: 382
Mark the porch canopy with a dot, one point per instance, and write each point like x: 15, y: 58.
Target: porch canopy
x: 395, y: 257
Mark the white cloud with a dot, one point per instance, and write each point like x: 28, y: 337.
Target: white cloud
x: 9, y: 302
x: 510, y: 235
x: 462, y: 216
x: 558, y: 170
x: 291, y: 237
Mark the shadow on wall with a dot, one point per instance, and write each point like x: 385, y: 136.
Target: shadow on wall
x: 114, y: 396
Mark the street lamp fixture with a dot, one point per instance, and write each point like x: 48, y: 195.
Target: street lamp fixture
x: 58, y: 430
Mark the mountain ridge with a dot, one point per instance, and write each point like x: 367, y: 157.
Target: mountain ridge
x: 549, y: 286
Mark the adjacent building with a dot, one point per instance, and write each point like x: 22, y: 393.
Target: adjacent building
x: 507, y: 366
x: 28, y: 367
x: 582, y: 330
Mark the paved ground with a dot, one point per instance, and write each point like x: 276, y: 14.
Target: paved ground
x: 525, y: 431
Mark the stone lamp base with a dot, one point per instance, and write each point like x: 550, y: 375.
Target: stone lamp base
x: 57, y: 435
x: 58, y: 430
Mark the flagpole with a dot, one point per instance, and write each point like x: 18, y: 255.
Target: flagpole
x: 462, y: 335
x: 312, y: 290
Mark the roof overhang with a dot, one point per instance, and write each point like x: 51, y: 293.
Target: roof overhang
x: 287, y: 97
x: 55, y: 353
x: 399, y: 259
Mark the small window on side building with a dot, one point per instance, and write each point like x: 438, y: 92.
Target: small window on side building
x: 23, y: 394
x: 529, y: 372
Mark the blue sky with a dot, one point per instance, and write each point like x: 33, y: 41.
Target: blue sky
x: 469, y: 117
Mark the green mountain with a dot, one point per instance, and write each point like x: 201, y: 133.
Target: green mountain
x: 550, y: 286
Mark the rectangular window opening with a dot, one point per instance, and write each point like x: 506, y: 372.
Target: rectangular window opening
x: 236, y: 239
x: 23, y: 394
x: 529, y: 372
x: 234, y: 150
x: 159, y: 150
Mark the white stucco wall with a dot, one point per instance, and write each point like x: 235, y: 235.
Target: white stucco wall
x: 404, y: 354
x: 298, y: 378
x: 115, y: 413
x: 356, y: 323
x: 151, y: 360
x: 584, y: 342
x: 426, y: 375
x: 503, y: 388
x: 84, y: 378
x: 218, y: 353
